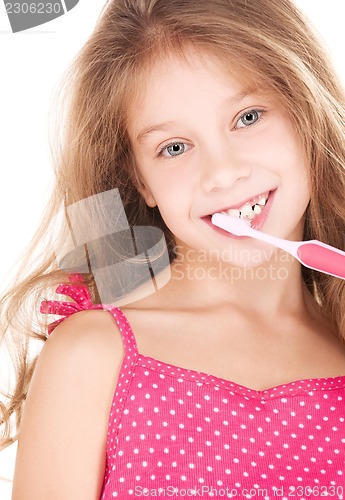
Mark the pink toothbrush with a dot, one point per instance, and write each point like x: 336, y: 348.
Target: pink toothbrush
x: 313, y: 253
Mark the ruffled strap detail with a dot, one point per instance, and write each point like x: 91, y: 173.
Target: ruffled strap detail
x: 79, y: 293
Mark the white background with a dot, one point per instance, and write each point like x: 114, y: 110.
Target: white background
x: 32, y: 63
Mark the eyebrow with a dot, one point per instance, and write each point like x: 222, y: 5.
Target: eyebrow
x: 164, y: 127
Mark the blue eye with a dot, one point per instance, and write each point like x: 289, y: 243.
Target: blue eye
x: 173, y: 149
x: 250, y: 117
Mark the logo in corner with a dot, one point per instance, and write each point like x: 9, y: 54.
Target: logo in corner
x: 24, y: 15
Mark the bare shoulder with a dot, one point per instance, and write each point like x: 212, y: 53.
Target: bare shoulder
x: 87, y: 330
x: 62, y: 439
x: 88, y: 344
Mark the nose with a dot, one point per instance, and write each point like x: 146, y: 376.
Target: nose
x: 223, y: 167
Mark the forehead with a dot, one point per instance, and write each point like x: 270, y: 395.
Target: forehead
x: 171, y: 66
x: 175, y: 80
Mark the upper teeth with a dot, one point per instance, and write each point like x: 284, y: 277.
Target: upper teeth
x: 249, y: 209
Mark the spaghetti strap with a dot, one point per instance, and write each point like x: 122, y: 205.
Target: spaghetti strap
x: 82, y: 301
x: 129, y: 341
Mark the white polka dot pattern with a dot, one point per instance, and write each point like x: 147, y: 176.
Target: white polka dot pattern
x: 171, y: 427
x: 183, y: 428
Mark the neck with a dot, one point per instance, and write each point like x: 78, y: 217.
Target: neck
x: 275, y: 285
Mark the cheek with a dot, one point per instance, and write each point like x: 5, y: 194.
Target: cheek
x: 170, y: 186
x: 174, y: 201
x: 289, y: 157
x: 172, y: 205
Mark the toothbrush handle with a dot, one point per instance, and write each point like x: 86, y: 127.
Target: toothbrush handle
x: 322, y: 257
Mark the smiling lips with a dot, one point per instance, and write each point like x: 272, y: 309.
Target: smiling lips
x: 249, y: 209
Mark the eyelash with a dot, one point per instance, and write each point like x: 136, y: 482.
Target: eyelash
x: 258, y: 110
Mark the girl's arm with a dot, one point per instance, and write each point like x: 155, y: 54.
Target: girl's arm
x: 62, y: 440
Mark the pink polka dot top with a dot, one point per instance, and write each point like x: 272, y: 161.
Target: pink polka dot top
x: 175, y: 432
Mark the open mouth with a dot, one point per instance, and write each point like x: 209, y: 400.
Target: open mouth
x: 250, y: 209
x: 253, y: 211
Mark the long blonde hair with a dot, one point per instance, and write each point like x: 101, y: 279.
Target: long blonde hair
x: 270, y: 44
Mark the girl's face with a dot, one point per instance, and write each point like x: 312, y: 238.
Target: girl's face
x: 205, y: 143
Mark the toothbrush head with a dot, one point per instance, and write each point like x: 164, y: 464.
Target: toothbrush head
x: 231, y: 224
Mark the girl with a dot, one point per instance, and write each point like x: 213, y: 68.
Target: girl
x: 229, y: 380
